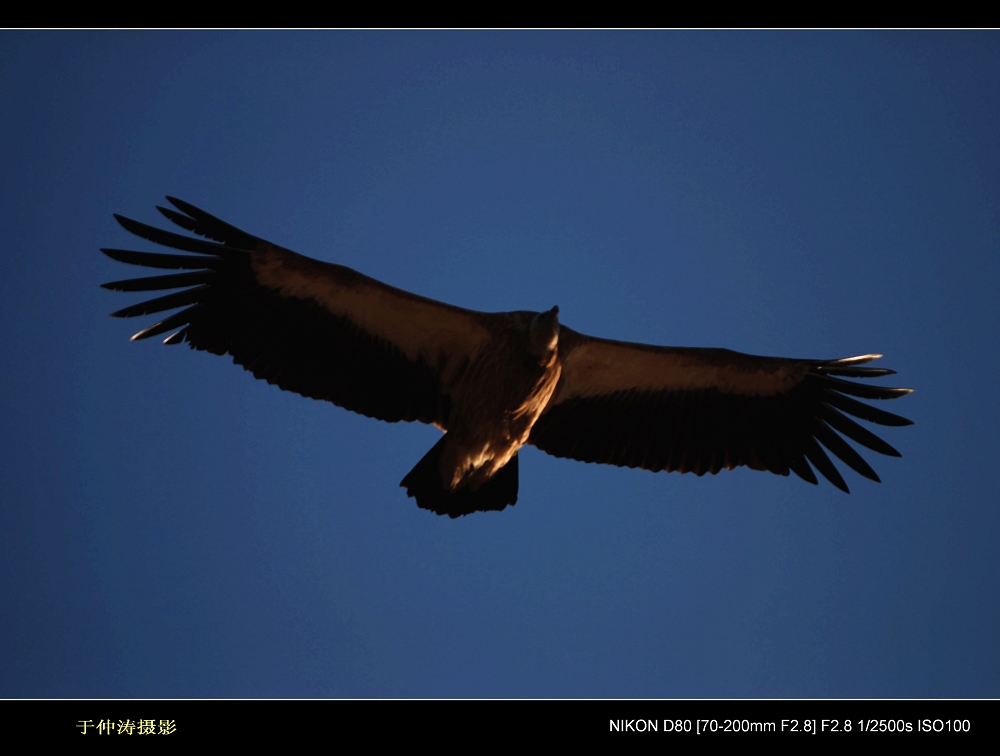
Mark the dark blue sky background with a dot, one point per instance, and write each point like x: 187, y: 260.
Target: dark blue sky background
x: 173, y: 527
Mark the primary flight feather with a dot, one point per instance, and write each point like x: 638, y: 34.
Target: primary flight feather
x: 496, y: 381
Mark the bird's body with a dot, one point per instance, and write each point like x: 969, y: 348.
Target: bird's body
x: 486, y: 428
x: 496, y: 381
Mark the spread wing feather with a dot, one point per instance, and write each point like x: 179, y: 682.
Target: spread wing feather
x: 702, y: 410
x: 320, y: 330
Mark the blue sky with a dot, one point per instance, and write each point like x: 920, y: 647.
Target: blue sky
x: 174, y: 528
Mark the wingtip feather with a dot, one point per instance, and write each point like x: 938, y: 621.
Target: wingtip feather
x: 860, y: 359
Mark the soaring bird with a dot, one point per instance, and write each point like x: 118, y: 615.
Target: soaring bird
x: 496, y: 381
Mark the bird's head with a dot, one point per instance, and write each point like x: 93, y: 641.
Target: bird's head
x: 543, y: 336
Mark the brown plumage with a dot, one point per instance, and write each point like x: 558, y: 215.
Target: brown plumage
x: 496, y: 381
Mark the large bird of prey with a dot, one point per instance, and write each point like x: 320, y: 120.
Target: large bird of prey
x: 496, y: 381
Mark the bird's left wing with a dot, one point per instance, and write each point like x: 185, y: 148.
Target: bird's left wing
x: 321, y: 330
x: 701, y: 410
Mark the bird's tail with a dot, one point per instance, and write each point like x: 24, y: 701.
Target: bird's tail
x: 423, y: 483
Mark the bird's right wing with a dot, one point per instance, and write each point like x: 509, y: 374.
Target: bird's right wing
x: 321, y: 330
x: 702, y: 410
